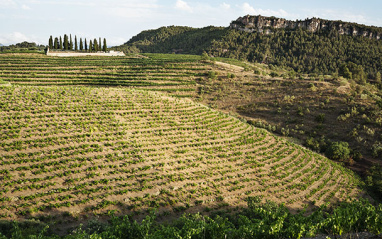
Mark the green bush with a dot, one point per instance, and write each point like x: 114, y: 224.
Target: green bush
x: 231, y: 75
x: 212, y: 74
x: 205, y: 56
x: 320, y: 118
x: 312, y: 144
x: 338, y: 151
x: 374, y: 180
x: 377, y: 149
x: 273, y: 74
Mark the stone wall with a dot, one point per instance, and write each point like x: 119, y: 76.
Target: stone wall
x: 68, y: 54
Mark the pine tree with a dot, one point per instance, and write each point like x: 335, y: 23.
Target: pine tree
x: 95, y: 45
x: 345, y: 72
x: 81, y: 45
x: 90, y: 46
x: 71, y: 43
x: 86, y: 45
x: 65, y: 42
x: 51, y: 42
x: 104, y: 45
x: 378, y: 77
x: 75, y: 43
x: 60, y: 47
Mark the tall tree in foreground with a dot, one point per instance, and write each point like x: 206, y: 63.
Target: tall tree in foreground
x: 104, y: 45
x: 75, y: 43
x: 86, y: 45
x: 90, y: 46
x: 50, y: 42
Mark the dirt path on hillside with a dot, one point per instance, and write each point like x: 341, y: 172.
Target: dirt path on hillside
x: 230, y: 67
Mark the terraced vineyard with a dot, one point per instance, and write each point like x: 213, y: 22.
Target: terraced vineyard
x: 173, y: 74
x: 84, y: 150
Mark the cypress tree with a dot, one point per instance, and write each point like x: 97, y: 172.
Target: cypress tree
x: 81, y: 45
x: 75, y: 43
x: 90, y: 46
x: 86, y: 45
x: 95, y: 45
x: 65, y: 42
x: 71, y: 43
x: 104, y: 45
x: 50, y: 42
x: 56, y: 43
x: 60, y: 46
x: 99, y: 44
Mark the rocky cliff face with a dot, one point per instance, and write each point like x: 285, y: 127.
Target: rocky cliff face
x: 267, y: 25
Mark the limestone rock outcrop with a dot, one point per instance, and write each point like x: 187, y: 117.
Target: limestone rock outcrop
x: 267, y: 25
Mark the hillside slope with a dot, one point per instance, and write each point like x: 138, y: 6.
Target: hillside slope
x: 176, y: 39
x: 334, y: 110
x: 169, y: 73
x: 81, y: 151
x: 322, y: 51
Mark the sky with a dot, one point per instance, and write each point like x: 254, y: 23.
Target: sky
x: 119, y: 20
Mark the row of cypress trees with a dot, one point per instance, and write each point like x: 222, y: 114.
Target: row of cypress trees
x: 66, y: 43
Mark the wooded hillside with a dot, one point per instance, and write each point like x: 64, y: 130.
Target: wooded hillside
x: 323, y: 52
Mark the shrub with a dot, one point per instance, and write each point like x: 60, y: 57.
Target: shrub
x: 312, y: 144
x: 212, y: 74
x: 374, y: 180
x: 320, y: 118
x: 274, y: 74
x: 312, y: 87
x: 231, y: 75
x: 377, y: 149
x: 292, y: 74
x: 205, y: 56
x: 338, y: 151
